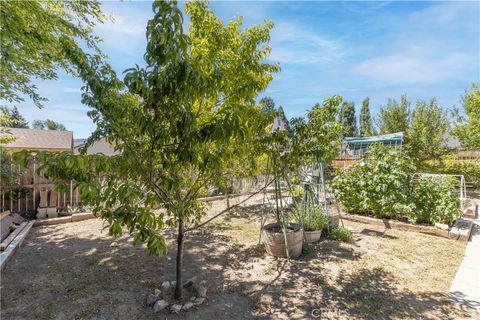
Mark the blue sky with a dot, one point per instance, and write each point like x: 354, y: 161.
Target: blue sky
x: 355, y: 49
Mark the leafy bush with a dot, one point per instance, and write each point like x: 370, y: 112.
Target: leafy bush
x: 377, y: 185
x: 449, y: 165
x: 341, y: 234
x: 311, y: 221
x: 434, y: 200
x: 381, y: 185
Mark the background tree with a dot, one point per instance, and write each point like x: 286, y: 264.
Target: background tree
x: 176, y: 126
x: 48, y: 125
x: 34, y: 38
x: 281, y: 115
x: 366, y: 123
x: 348, y: 119
x: 394, y: 117
x: 15, y: 119
x: 467, y: 130
x: 267, y: 105
x: 426, y: 132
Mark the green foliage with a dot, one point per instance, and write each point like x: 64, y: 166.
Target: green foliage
x: 468, y: 127
x: 324, y: 132
x: 449, y: 165
x: 348, y: 119
x: 341, y: 234
x: 435, y: 200
x: 426, y: 133
x: 267, y: 106
x: 377, y: 185
x: 35, y: 35
x: 47, y: 125
x: 382, y: 185
x: 311, y: 218
x: 177, y: 123
x: 12, y: 118
x: 366, y: 123
x: 394, y: 117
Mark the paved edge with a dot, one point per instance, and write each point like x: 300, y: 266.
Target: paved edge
x: 465, y: 288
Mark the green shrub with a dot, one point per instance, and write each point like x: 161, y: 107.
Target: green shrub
x: 382, y: 185
x: 435, y: 201
x: 341, y: 234
x: 377, y: 185
x: 311, y: 220
x: 449, y: 165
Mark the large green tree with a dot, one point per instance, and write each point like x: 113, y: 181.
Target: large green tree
x: 394, y: 117
x: 468, y: 127
x: 366, y: 123
x: 176, y: 124
x: 348, y: 119
x: 426, y: 132
x: 34, y: 39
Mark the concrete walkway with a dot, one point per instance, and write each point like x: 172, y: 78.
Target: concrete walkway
x: 465, y: 289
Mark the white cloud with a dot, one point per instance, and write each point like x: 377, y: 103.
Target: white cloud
x: 293, y: 44
x: 435, y: 45
x: 409, y: 67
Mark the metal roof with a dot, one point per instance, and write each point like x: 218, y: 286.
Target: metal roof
x: 391, y: 138
x: 33, y: 139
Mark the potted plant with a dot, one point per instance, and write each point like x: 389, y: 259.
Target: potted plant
x: 312, y: 220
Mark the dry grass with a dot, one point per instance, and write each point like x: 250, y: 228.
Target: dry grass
x: 71, y: 271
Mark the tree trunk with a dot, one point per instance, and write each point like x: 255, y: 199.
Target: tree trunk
x: 179, y: 285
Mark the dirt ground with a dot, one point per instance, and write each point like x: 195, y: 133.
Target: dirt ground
x: 72, y: 271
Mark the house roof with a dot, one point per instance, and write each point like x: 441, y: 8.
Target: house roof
x: 99, y: 146
x: 391, y: 138
x: 41, y: 140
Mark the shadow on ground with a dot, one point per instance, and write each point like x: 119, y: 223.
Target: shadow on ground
x: 74, y: 271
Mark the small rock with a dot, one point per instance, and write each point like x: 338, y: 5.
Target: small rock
x: 114, y: 244
x: 176, y: 308
x: 187, y: 306
x: 173, y: 284
x: 158, y: 292
x: 202, y: 291
x: 160, y: 305
x: 198, y: 301
x: 151, y: 299
x: 192, y: 298
x: 189, y: 284
x: 165, y: 286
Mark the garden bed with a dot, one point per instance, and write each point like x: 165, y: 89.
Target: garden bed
x: 460, y: 231
x: 76, y: 270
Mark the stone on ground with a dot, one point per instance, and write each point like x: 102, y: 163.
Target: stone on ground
x: 151, y: 299
x: 160, y: 305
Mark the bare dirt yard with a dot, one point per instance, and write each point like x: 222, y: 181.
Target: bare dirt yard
x: 77, y: 271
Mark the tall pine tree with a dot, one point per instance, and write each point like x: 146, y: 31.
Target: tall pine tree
x: 366, y: 124
x: 348, y: 119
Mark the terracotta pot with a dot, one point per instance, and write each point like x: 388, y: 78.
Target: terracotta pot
x: 274, y: 240
x: 312, y: 236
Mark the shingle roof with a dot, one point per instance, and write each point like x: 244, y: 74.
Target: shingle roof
x: 32, y: 139
x: 100, y: 146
